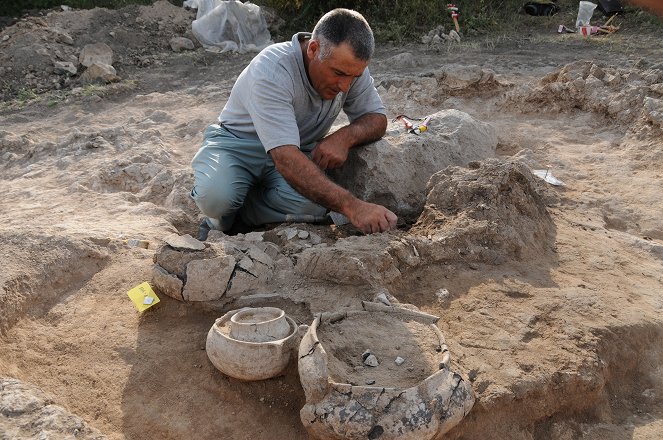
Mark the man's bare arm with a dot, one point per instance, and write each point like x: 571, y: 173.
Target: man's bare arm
x: 304, y: 176
x: 332, y: 151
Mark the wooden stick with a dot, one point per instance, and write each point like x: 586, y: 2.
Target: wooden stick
x: 609, y: 20
x: 456, y: 24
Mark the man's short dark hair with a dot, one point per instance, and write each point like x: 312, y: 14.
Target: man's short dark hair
x: 344, y: 26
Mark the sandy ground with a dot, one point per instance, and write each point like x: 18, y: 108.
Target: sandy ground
x: 564, y: 346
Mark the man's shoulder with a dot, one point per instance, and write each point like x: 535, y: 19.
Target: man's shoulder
x: 276, y: 64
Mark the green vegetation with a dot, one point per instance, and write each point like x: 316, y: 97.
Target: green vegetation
x: 392, y: 20
x: 398, y: 20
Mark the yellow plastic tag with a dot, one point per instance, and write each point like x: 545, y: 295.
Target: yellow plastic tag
x: 143, y: 297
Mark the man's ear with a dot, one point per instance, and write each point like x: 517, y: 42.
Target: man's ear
x: 313, y: 49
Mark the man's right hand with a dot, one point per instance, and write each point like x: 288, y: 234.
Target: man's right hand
x: 305, y: 177
x: 370, y: 218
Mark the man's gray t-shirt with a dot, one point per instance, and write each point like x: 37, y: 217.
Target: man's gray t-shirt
x: 274, y: 102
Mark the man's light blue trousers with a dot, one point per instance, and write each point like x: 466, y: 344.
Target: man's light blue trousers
x: 234, y: 176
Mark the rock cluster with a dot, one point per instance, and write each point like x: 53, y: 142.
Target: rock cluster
x: 627, y: 96
x: 37, y: 54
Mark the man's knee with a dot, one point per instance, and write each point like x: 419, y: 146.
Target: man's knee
x: 216, y: 201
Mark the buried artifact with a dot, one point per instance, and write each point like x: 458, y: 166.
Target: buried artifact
x: 398, y: 404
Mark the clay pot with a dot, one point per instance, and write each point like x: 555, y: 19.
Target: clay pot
x: 261, y: 324
x: 420, y: 412
x: 249, y: 360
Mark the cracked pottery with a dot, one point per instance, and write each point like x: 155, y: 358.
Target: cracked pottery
x: 346, y: 411
x: 256, y: 345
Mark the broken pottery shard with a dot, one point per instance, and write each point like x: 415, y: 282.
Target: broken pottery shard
x: 290, y: 233
x: 207, y: 280
x: 371, y: 361
x: 370, y: 382
x: 166, y: 283
x: 399, y: 361
x: 260, y: 256
x: 246, y: 264
x: 382, y: 297
x: 548, y: 177
x: 185, y: 242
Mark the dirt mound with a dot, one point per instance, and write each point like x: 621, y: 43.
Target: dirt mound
x: 427, y: 91
x: 37, y: 269
x: 27, y: 412
x: 491, y: 212
x: 629, y: 97
x: 32, y: 47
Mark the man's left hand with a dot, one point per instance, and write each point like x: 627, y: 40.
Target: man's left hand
x: 330, y: 153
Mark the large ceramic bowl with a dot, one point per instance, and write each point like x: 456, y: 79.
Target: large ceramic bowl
x: 248, y: 360
x: 261, y: 324
x: 418, y: 411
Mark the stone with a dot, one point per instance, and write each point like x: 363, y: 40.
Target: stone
x: 98, y: 53
x: 98, y: 71
x: 166, y: 283
x: 64, y: 68
x: 399, y: 361
x: 64, y: 38
x: 303, y: 235
x: 442, y: 296
x: 207, y: 280
x: 394, y: 171
x: 371, y: 361
x: 653, y: 110
x: 370, y: 382
x: 453, y: 35
x: 178, y: 44
x: 315, y: 238
x: 255, y: 236
x: 184, y: 242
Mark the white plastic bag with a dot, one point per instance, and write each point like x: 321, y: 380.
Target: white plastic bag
x: 585, y: 12
x: 221, y: 26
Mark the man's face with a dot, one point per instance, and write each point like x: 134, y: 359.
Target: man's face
x: 334, y: 74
